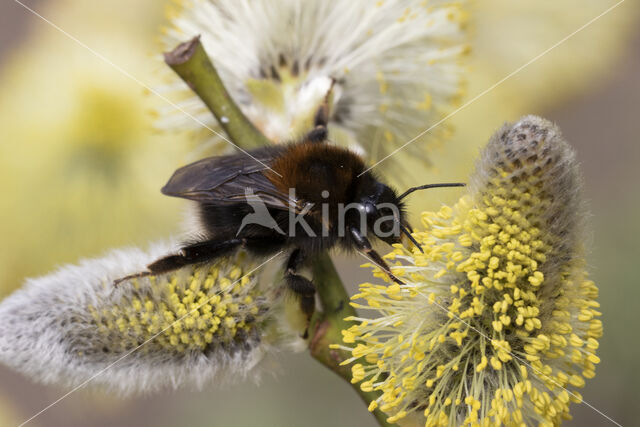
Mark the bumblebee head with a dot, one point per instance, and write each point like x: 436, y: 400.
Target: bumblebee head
x: 384, y: 210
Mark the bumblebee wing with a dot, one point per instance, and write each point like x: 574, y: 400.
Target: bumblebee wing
x: 230, y: 179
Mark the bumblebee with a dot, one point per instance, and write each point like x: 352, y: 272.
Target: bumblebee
x: 304, y: 197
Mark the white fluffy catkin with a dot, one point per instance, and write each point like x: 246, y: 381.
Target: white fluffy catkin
x: 73, y: 325
x: 396, y: 64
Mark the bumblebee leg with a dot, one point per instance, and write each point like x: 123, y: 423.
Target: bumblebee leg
x: 363, y: 243
x: 131, y: 276
x: 301, y: 286
x: 190, y: 254
x: 318, y: 134
x: 321, y: 119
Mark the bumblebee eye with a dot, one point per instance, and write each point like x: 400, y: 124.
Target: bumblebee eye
x: 362, y: 208
x: 370, y: 209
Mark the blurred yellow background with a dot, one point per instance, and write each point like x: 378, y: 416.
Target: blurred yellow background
x: 81, y: 168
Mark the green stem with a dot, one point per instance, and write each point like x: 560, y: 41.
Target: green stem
x: 327, y: 327
x: 190, y: 61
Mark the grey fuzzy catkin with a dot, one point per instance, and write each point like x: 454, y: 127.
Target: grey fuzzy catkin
x: 533, y: 148
x: 48, y: 332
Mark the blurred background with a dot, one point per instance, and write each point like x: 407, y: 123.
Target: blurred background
x: 81, y: 166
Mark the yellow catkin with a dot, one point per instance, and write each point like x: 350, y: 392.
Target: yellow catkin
x: 201, y: 308
x: 517, y: 282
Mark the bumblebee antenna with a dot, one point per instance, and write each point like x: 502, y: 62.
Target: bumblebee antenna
x: 408, y: 234
x: 426, y: 186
